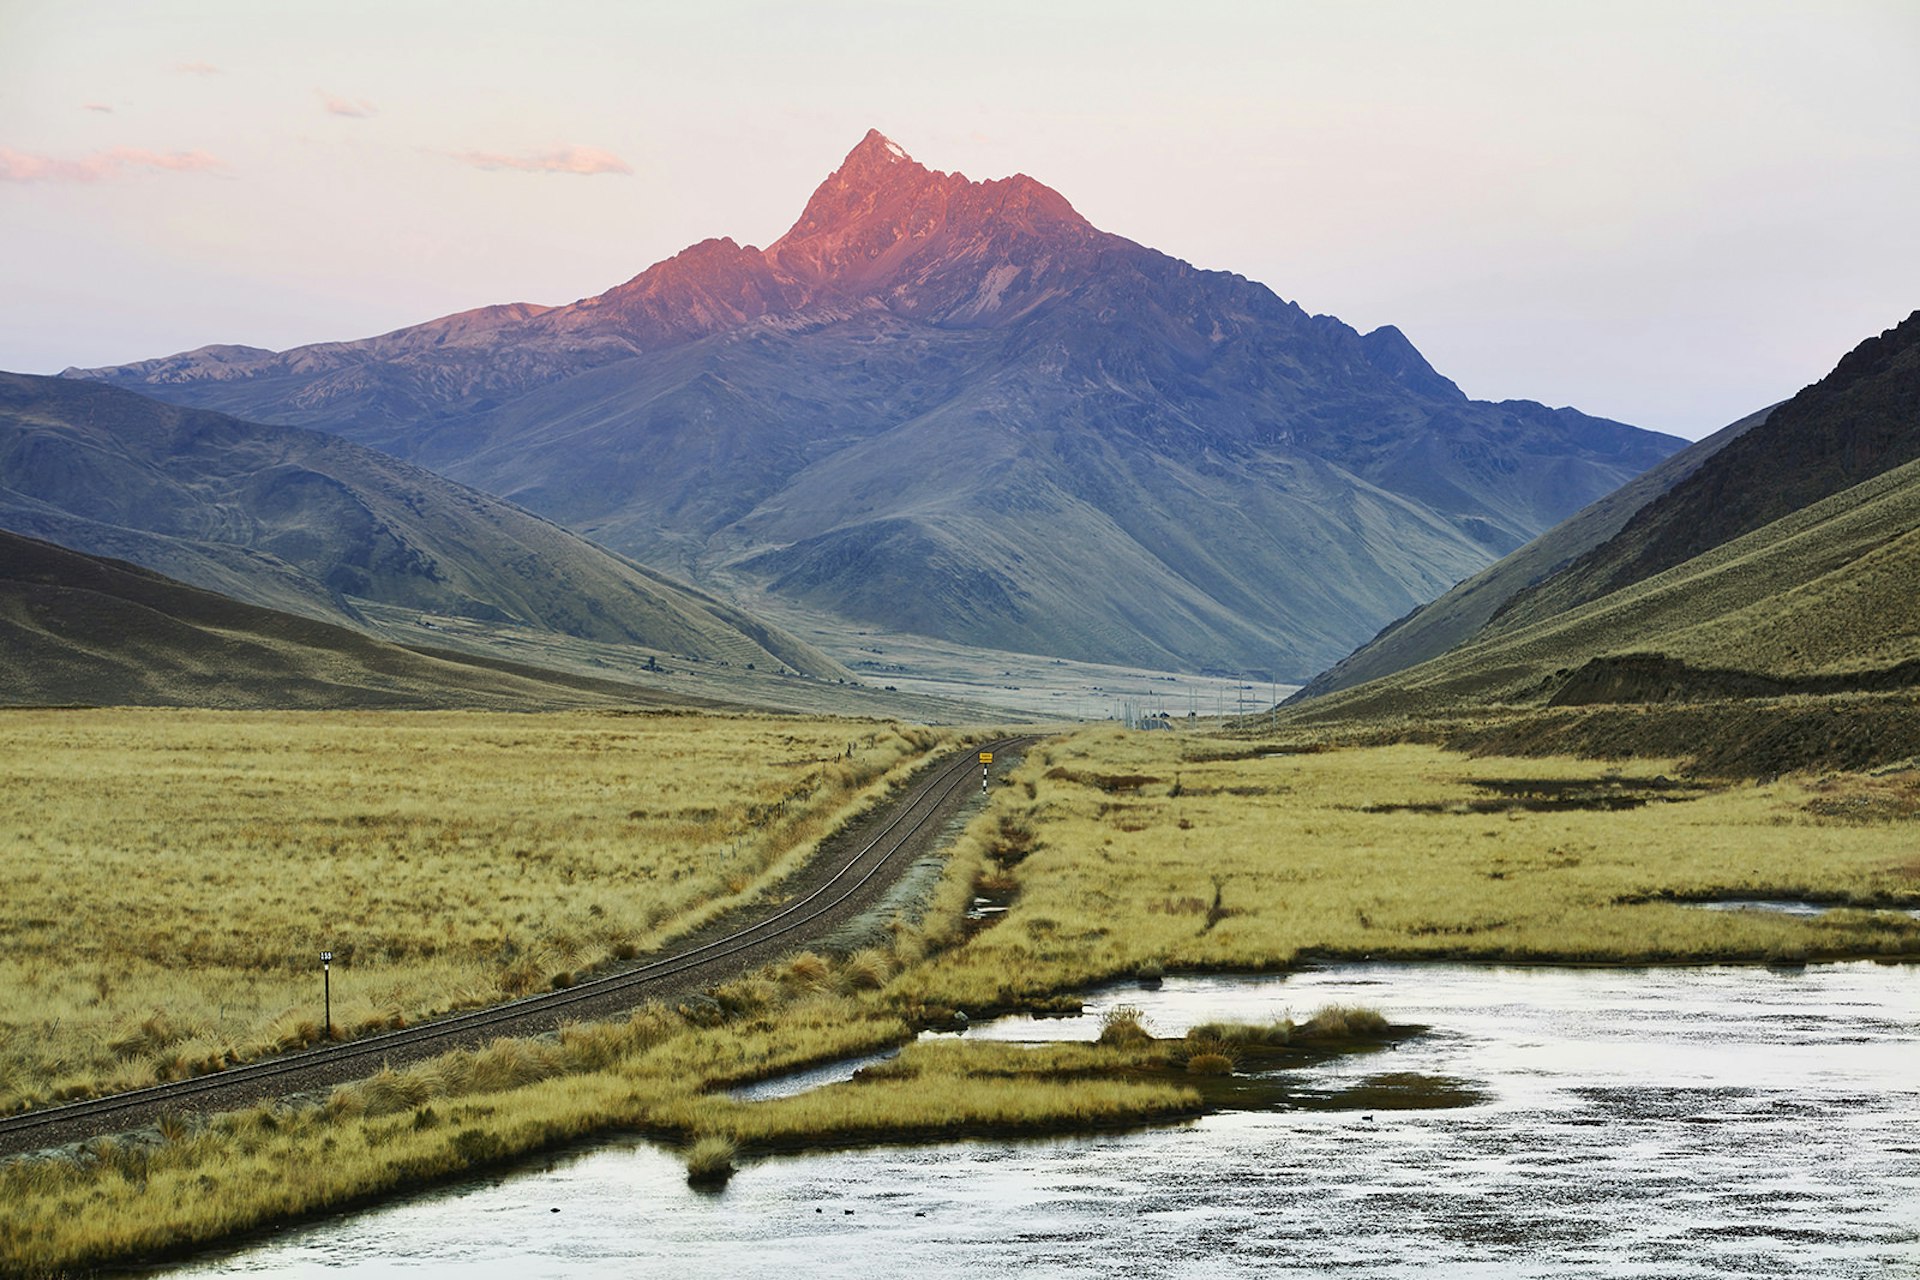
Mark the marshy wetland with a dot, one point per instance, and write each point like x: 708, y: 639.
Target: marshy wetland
x: 1700, y: 1121
x: 1344, y: 876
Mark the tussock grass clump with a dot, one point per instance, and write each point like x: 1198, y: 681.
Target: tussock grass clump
x: 710, y: 1161
x: 1124, y: 1027
x: 175, y: 1127
x: 1267, y: 1034
x: 1231, y: 1041
x: 752, y: 994
x: 1210, y: 1064
x: 865, y: 971
x: 151, y: 1035
x: 1344, y: 1022
x: 807, y: 972
x: 509, y: 1064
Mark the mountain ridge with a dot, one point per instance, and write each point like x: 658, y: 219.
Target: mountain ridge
x: 959, y: 407
x: 77, y: 629
x: 308, y: 522
x: 1470, y: 605
x: 1848, y: 427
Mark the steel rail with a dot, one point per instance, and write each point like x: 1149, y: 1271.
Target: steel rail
x: 790, y: 917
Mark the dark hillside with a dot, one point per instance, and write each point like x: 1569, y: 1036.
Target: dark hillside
x: 82, y: 630
x: 1859, y: 421
x: 1458, y: 616
x: 1790, y: 643
x: 313, y: 524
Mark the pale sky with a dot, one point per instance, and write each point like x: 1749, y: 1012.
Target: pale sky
x: 1670, y: 213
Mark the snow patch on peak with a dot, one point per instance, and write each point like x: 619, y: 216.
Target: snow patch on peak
x: 878, y: 145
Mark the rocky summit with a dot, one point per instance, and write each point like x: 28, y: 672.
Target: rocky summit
x: 957, y: 408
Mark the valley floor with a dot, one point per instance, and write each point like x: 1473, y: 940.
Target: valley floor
x: 1115, y: 853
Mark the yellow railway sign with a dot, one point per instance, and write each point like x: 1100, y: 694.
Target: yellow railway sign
x: 986, y: 757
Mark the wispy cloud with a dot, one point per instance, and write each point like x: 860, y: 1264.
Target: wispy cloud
x: 353, y: 108
x: 582, y: 160
x: 96, y: 106
x: 196, y: 68
x: 24, y: 166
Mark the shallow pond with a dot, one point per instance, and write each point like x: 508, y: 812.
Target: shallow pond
x: 1719, y: 1121
x: 1790, y: 907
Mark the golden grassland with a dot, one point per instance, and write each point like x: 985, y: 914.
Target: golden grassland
x: 655, y: 1072
x: 1134, y: 849
x: 189, y: 1182
x: 975, y: 1087
x: 173, y: 876
x: 1120, y: 853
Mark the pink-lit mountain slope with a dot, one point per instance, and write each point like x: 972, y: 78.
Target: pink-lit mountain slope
x: 958, y: 408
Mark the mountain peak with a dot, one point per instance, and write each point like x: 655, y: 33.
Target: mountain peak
x: 877, y: 169
x: 1388, y: 350
x: 877, y: 148
x: 882, y: 218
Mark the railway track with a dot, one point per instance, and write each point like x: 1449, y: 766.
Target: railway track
x: 849, y: 882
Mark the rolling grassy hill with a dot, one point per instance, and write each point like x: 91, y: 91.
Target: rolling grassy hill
x: 1464, y: 610
x: 1784, y: 570
x: 1860, y: 421
x: 313, y: 524
x: 77, y: 629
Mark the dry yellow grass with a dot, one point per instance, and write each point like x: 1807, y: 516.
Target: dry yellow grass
x: 1143, y: 851
x: 120, y: 1200
x: 651, y: 1072
x: 1124, y: 852
x: 173, y: 876
x: 932, y: 1105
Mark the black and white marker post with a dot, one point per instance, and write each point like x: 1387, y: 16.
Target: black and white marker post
x: 986, y: 758
x: 326, y: 981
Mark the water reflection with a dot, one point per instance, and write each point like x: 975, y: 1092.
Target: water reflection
x: 1645, y: 1123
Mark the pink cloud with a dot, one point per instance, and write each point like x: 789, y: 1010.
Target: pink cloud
x: 96, y: 106
x: 24, y: 166
x: 583, y: 160
x: 353, y: 108
x: 197, y: 68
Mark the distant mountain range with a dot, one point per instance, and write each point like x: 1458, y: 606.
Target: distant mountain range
x: 1786, y: 562
x: 957, y: 408
x: 309, y: 523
